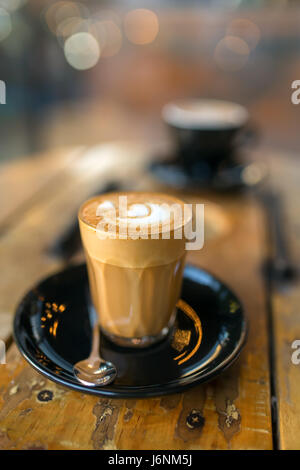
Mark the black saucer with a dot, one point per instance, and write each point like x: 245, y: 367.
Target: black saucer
x: 53, y: 332
x: 200, y: 175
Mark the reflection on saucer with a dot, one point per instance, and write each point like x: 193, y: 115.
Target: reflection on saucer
x: 230, y: 177
x: 182, y: 338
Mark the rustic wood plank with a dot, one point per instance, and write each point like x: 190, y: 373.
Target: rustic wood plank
x: 21, y: 180
x: 235, y: 408
x: 71, y: 420
x: 285, y: 171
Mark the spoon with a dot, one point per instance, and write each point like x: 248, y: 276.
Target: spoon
x: 94, y: 370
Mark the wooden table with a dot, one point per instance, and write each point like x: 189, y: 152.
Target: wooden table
x: 39, y: 198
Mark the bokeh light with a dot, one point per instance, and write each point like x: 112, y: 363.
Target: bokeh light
x: 111, y: 38
x: 58, y: 12
x: 74, y: 25
x: 107, y: 33
x: 12, y: 5
x: 68, y: 26
x: 141, y: 26
x: 253, y: 173
x: 246, y: 30
x: 231, y: 53
x: 68, y: 10
x: 82, y: 51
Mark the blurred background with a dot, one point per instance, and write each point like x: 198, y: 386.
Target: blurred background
x: 97, y: 70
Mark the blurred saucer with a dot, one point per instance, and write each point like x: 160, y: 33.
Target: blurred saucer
x: 230, y: 177
x: 53, y: 331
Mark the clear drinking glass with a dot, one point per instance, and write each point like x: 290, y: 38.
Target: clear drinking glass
x: 134, y: 283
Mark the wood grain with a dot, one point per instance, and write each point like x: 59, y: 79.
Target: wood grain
x: 232, y: 412
x: 21, y: 180
x: 285, y: 174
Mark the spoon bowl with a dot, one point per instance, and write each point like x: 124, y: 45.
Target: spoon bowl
x: 94, y: 373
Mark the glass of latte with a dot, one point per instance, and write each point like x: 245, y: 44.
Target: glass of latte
x: 134, y: 245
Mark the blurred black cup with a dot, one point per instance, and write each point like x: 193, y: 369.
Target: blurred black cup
x: 207, y: 133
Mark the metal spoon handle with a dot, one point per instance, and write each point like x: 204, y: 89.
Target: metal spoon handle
x: 95, y: 351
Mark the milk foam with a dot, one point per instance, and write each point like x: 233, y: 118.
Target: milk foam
x: 205, y: 114
x: 149, y: 237
x: 142, y: 214
x: 151, y: 212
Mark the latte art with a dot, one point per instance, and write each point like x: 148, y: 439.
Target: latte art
x: 132, y: 214
x: 139, y: 210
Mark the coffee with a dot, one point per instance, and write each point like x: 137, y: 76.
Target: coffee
x: 135, y: 262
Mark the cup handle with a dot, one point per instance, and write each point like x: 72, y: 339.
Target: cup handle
x: 248, y: 136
